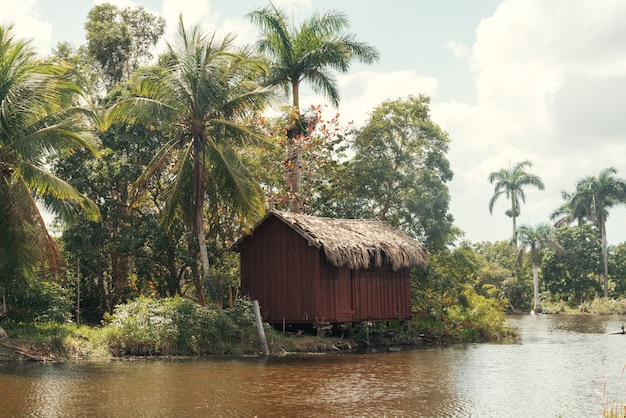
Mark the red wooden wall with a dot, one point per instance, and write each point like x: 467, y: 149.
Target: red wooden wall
x: 294, y: 282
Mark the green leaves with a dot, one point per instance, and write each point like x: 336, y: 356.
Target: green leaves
x: 309, y: 51
x: 399, y: 171
x: 39, y: 122
x: 511, y: 183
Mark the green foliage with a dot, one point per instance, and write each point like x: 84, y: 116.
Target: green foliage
x: 571, y: 275
x: 309, y: 51
x: 604, y: 306
x: 617, y: 268
x: 128, y: 250
x: 501, y: 253
x: 39, y: 300
x: 120, y: 40
x: 178, y: 326
x: 58, y: 341
x: 448, y: 301
x: 591, y: 201
x: 39, y: 122
x: 479, y: 318
x: 399, y: 172
x: 511, y: 183
x: 517, y: 292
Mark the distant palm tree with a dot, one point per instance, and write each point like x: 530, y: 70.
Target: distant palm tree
x: 39, y: 121
x: 206, y: 91
x: 307, y: 53
x: 566, y: 214
x: 593, y: 197
x: 511, y: 183
x: 536, y: 239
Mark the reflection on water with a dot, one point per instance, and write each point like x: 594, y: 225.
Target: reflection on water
x: 554, y: 370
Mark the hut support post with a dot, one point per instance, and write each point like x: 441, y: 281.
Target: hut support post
x: 259, y: 326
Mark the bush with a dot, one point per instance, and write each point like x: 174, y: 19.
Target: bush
x: 178, y: 326
x: 39, y: 301
x: 478, y: 318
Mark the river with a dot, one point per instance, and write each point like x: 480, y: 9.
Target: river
x: 562, y: 366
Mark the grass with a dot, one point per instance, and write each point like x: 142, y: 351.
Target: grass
x: 53, y: 341
x: 613, y: 405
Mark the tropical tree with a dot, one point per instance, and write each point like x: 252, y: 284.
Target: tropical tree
x: 617, y: 265
x: 40, y: 120
x: 511, y: 183
x: 205, y: 89
x: 119, y: 41
x: 536, y: 239
x: 592, y: 199
x: 307, y: 53
x: 571, y: 275
x: 399, y: 172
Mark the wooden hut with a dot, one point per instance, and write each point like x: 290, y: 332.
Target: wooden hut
x: 306, y: 269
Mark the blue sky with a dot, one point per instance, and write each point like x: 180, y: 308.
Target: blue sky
x: 510, y: 80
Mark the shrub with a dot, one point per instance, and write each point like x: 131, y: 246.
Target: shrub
x: 39, y: 301
x: 178, y: 326
x: 478, y: 318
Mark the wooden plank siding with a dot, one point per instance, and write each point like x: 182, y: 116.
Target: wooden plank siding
x: 294, y: 281
x: 279, y: 268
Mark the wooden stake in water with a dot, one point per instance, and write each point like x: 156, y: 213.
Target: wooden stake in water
x: 259, y: 326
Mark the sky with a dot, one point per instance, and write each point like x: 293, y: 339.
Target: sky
x: 509, y: 80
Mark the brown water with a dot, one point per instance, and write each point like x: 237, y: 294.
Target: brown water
x: 556, y: 370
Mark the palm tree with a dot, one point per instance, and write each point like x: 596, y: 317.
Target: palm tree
x: 39, y: 121
x: 593, y: 197
x: 511, y: 183
x: 308, y: 53
x: 536, y: 240
x: 205, y: 91
x: 566, y: 214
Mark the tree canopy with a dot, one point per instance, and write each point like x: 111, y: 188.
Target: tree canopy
x: 311, y: 52
x: 206, y: 90
x: 399, y: 172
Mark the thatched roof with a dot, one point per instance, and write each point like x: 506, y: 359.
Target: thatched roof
x: 355, y: 243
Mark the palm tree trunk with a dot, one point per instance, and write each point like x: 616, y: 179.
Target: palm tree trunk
x: 204, y: 257
x: 536, y: 285
x: 295, y: 204
x: 198, y: 179
x: 605, y: 258
x: 513, y: 212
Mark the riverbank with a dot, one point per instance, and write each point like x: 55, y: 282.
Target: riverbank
x: 598, y: 306
x: 68, y: 342
x: 151, y: 327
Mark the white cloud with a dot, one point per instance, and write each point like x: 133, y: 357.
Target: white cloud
x: 121, y: 4
x: 550, y: 84
x: 295, y: 4
x: 192, y: 11
x: 362, y: 91
x: 199, y: 12
x: 24, y: 16
x: 459, y: 49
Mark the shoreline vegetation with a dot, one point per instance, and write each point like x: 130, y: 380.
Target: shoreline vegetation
x: 179, y: 327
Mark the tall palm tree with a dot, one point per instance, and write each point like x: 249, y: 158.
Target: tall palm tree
x: 592, y: 199
x: 307, y: 53
x: 536, y: 239
x: 511, y: 183
x: 39, y: 121
x: 205, y: 91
